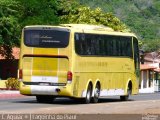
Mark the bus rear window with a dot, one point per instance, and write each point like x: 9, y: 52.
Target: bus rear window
x: 46, y: 38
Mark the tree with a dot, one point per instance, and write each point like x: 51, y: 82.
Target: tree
x: 9, y: 27
x: 38, y: 12
x: 151, y: 45
x: 75, y: 13
x: 15, y: 14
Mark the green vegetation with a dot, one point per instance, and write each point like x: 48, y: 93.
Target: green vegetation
x: 15, y: 14
x: 39, y: 12
x: 140, y: 16
x: 86, y: 15
x: 12, y: 83
x: 9, y: 26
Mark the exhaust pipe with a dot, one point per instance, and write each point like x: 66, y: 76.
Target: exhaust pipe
x: 58, y: 90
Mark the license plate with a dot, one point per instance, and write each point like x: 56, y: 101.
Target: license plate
x: 44, y: 84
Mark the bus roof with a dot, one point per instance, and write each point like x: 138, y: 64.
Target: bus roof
x: 77, y: 26
x: 96, y: 29
x: 86, y: 28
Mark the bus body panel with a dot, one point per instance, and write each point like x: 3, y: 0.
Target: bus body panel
x: 44, y: 69
x: 113, y: 74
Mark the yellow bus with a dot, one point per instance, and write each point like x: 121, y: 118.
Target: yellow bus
x: 78, y: 61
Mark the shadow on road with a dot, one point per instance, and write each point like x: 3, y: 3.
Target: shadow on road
x: 69, y: 101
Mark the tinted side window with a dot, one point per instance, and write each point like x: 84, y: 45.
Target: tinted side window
x: 103, y: 45
x: 136, y: 53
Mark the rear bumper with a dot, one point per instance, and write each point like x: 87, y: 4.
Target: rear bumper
x: 46, y: 90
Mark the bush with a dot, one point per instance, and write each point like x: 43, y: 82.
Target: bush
x: 12, y: 83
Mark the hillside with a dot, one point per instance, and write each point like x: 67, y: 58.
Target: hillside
x: 142, y: 17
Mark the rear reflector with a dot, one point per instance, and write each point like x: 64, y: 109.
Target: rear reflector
x: 20, y: 74
x: 69, y: 77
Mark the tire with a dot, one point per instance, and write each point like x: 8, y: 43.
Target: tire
x: 126, y: 97
x: 87, y: 99
x: 44, y: 99
x: 96, y: 94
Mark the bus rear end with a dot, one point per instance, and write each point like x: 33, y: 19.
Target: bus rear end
x: 44, y: 62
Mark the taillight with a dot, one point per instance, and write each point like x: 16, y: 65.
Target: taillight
x: 69, y: 77
x: 20, y: 74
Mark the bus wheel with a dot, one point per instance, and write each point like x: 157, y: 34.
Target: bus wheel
x: 126, y: 97
x: 44, y: 99
x: 88, y: 94
x: 96, y: 94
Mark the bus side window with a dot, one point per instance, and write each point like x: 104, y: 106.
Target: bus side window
x: 136, y: 56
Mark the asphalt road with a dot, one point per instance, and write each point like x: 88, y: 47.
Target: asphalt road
x: 139, y: 107
x: 110, y: 105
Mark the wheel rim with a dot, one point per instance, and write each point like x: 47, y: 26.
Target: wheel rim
x: 129, y: 91
x: 88, y: 95
x: 96, y: 93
